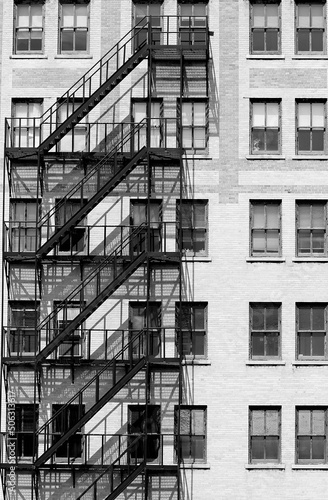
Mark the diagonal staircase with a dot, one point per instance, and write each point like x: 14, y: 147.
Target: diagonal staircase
x: 137, y: 359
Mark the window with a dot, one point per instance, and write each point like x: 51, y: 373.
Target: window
x: 140, y: 212
x: 74, y: 240
x: 190, y: 431
x: 191, y: 324
x: 193, y: 216
x: 265, y: 331
x: 311, y: 223
x: 265, y: 220
x: 139, y: 113
x: 26, y: 123
x: 28, y: 26
x: 144, y: 419
x: 76, y: 139
x: 24, y: 418
x: 264, y: 434
x: 64, y: 315
x: 194, y: 121
x: 23, y: 216
x: 23, y: 318
x: 265, y: 127
x: 67, y: 417
x: 311, y: 126
x: 265, y: 27
x: 312, y: 331
x: 310, y: 27
x: 311, y: 435
x: 193, y: 23
x: 74, y: 26
x: 153, y: 13
x: 149, y: 319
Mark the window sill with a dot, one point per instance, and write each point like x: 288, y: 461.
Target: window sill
x: 310, y: 362
x: 310, y: 56
x: 310, y: 466
x: 196, y: 258
x: 310, y: 259
x: 265, y: 56
x: 265, y: 259
x: 265, y: 362
x: 28, y: 56
x: 184, y: 465
x: 265, y: 157
x: 265, y: 466
x: 310, y: 157
x: 73, y: 56
x: 193, y: 361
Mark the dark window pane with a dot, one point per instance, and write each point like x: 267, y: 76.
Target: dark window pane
x: 317, y: 41
x: 317, y: 140
x: 197, y: 448
x: 81, y: 40
x: 303, y: 39
x: 22, y: 41
x: 272, y: 448
x: 272, y: 140
x: 185, y: 446
x: 318, y: 448
x: 304, y: 444
x: 272, y: 340
x: 273, y: 241
x: 318, y: 344
x: 318, y: 241
x: 258, y: 141
x: 272, y: 318
x: 258, y: 344
x: 36, y: 40
x: 304, y: 314
x: 257, y: 452
x: 304, y: 241
x: 305, y: 344
x: 258, y: 318
x: 258, y: 40
x: 304, y: 140
x: 199, y: 344
x: 318, y: 318
x: 272, y: 40
x: 67, y: 40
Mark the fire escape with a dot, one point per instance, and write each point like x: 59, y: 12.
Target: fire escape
x: 123, y: 149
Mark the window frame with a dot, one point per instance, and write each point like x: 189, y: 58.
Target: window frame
x: 22, y: 332
x: 279, y: 229
x: 265, y: 331
x: 75, y: 28
x: 76, y: 239
x: 23, y: 225
x: 311, y: 435
x: 265, y: 28
x: 22, y: 434
x: 311, y: 331
x: 177, y: 433
x: 74, y: 343
x: 140, y: 33
x: 202, y: 253
x: 18, y: 122
x: 251, y: 435
x: 30, y: 28
x: 192, y: 28
x: 311, y: 228
x: 151, y: 428
x: 324, y: 29
x: 311, y: 129
x: 191, y: 331
x: 67, y: 420
x: 266, y: 128
x: 192, y: 127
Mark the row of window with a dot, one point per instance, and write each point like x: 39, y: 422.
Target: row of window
x: 74, y: 24
x: 265, y: 27
x: 189, y: 423
x: 311, y: 124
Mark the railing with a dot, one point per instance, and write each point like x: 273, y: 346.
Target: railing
x: 88, y: 344
x: 99, y: 449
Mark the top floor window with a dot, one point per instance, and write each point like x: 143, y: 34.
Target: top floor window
x: 265, y: 27
x: 152, y: 12
x: 192, y: 23
x: 28, y: 26
x: 74, y: 26
x: 310, y: 27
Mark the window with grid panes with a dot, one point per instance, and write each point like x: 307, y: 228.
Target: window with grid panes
x: 26, y: 123
x: 144, y: 420
x: 22, y: 226
x: 311, y: 27
x: 23, y: 318
x: 311, y: 226
x: 193, y: 226
x: 24, y: 423
x: 192, y: 23
x: 190, y: 442
x: 194, y: 124
x: 264, y: 435
x: 265, y: 331
x: 148, y: 318
x: 28, y: 26
x: 312, y: 331
x: 70, y: 346
x: 142, y: 13
x: 311, y: 435
x: 74, y: 240
x: 76, y: 139
x: 265, y: 127
x: 311, y: 127
x: 74, y: 26
x: 265, y: 27
x: 191, y: 326
x: 69, y: 416
x: 265, y: 220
